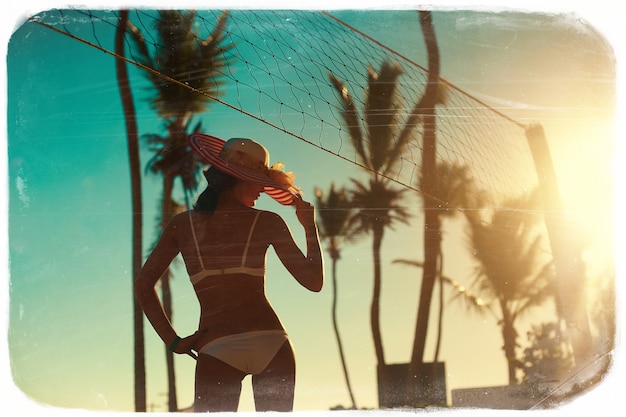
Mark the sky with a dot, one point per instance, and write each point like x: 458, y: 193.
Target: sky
x: 69, y: 304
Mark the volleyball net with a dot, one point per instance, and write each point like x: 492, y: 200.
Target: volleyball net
x: 278, y: 74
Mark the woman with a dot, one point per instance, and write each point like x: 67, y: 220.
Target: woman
x: 224, y: 242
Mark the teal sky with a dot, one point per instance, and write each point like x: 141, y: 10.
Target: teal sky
x: 70, y: 333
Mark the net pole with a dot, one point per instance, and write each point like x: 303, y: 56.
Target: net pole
x: 566, y: 247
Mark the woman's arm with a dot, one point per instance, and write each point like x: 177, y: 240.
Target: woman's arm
x: 145, y: 286
x: 307, y: 270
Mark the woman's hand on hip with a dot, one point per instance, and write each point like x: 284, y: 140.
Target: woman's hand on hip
x: 187, y: 345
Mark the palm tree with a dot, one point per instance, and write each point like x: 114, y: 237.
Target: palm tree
x: 185, y: 72
x: 513, y: 269
x: 456, y: 192
x: 334, y: 213
x: 173, y: 159
x: 378, y: 151
x: 432, y: 235
x: 135, y: 179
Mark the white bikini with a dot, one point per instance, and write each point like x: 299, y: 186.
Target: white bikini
x: 241, y: 269
x: 249, y: 352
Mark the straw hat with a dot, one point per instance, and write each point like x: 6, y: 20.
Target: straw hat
x: 247, y: 160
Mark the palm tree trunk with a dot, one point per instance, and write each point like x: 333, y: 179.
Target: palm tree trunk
x: 383, y: 388
x: 135, y: 177
x: 166, y: 294
x: 336, y: 327
x: 509, y: 339
x: 432, y: 238
x: 375, y: 306
x: 432, y: 233
x: 441, y: 308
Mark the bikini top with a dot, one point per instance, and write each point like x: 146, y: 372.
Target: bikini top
x: 241, y: 269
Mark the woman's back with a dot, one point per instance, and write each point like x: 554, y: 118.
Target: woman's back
x: 222, y: 240
x: 225, y: 253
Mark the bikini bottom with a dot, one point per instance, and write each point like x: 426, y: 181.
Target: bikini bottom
x: 248, y: 352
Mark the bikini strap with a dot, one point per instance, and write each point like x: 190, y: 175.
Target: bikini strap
x: 245, y: 251
x: 193, y: 233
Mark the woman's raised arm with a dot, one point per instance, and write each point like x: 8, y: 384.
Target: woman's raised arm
x: 307, y: 269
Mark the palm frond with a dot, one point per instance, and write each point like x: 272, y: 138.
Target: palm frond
x: 381, y: 113
x: 180, y: 55
x: 456, y: 190
x: 190, y: 165
x: 511, y: 257
x: 415, y: 118
x: 460, y: 291
x: 351, y: 119
x: 173, y: 156
x: 142, y: 55
x: 334, y: 211
x: 212, y: 59
x: 376, y: 203
x: 538, y: 290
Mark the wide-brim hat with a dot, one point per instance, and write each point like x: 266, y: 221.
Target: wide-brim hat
x: 246, y: 160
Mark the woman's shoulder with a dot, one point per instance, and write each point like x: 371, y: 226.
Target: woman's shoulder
x: 267, y: 215
x: 271, y: 219
x: 182, y: 216
x: 180, y: 219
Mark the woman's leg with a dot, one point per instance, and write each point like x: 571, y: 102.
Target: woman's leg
x: 274, y: 387
x: 218, y: 385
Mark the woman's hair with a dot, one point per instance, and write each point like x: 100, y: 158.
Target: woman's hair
x: 217, y: 183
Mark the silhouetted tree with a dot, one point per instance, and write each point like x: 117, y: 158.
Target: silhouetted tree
x: 432, y: 234
x: 378, y: 144
x: 334, y: 212
x: 135, y: 179
x: 456, y: 192
x: 184, y: 65
x: 514, y: 269
x: 547, y: 355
